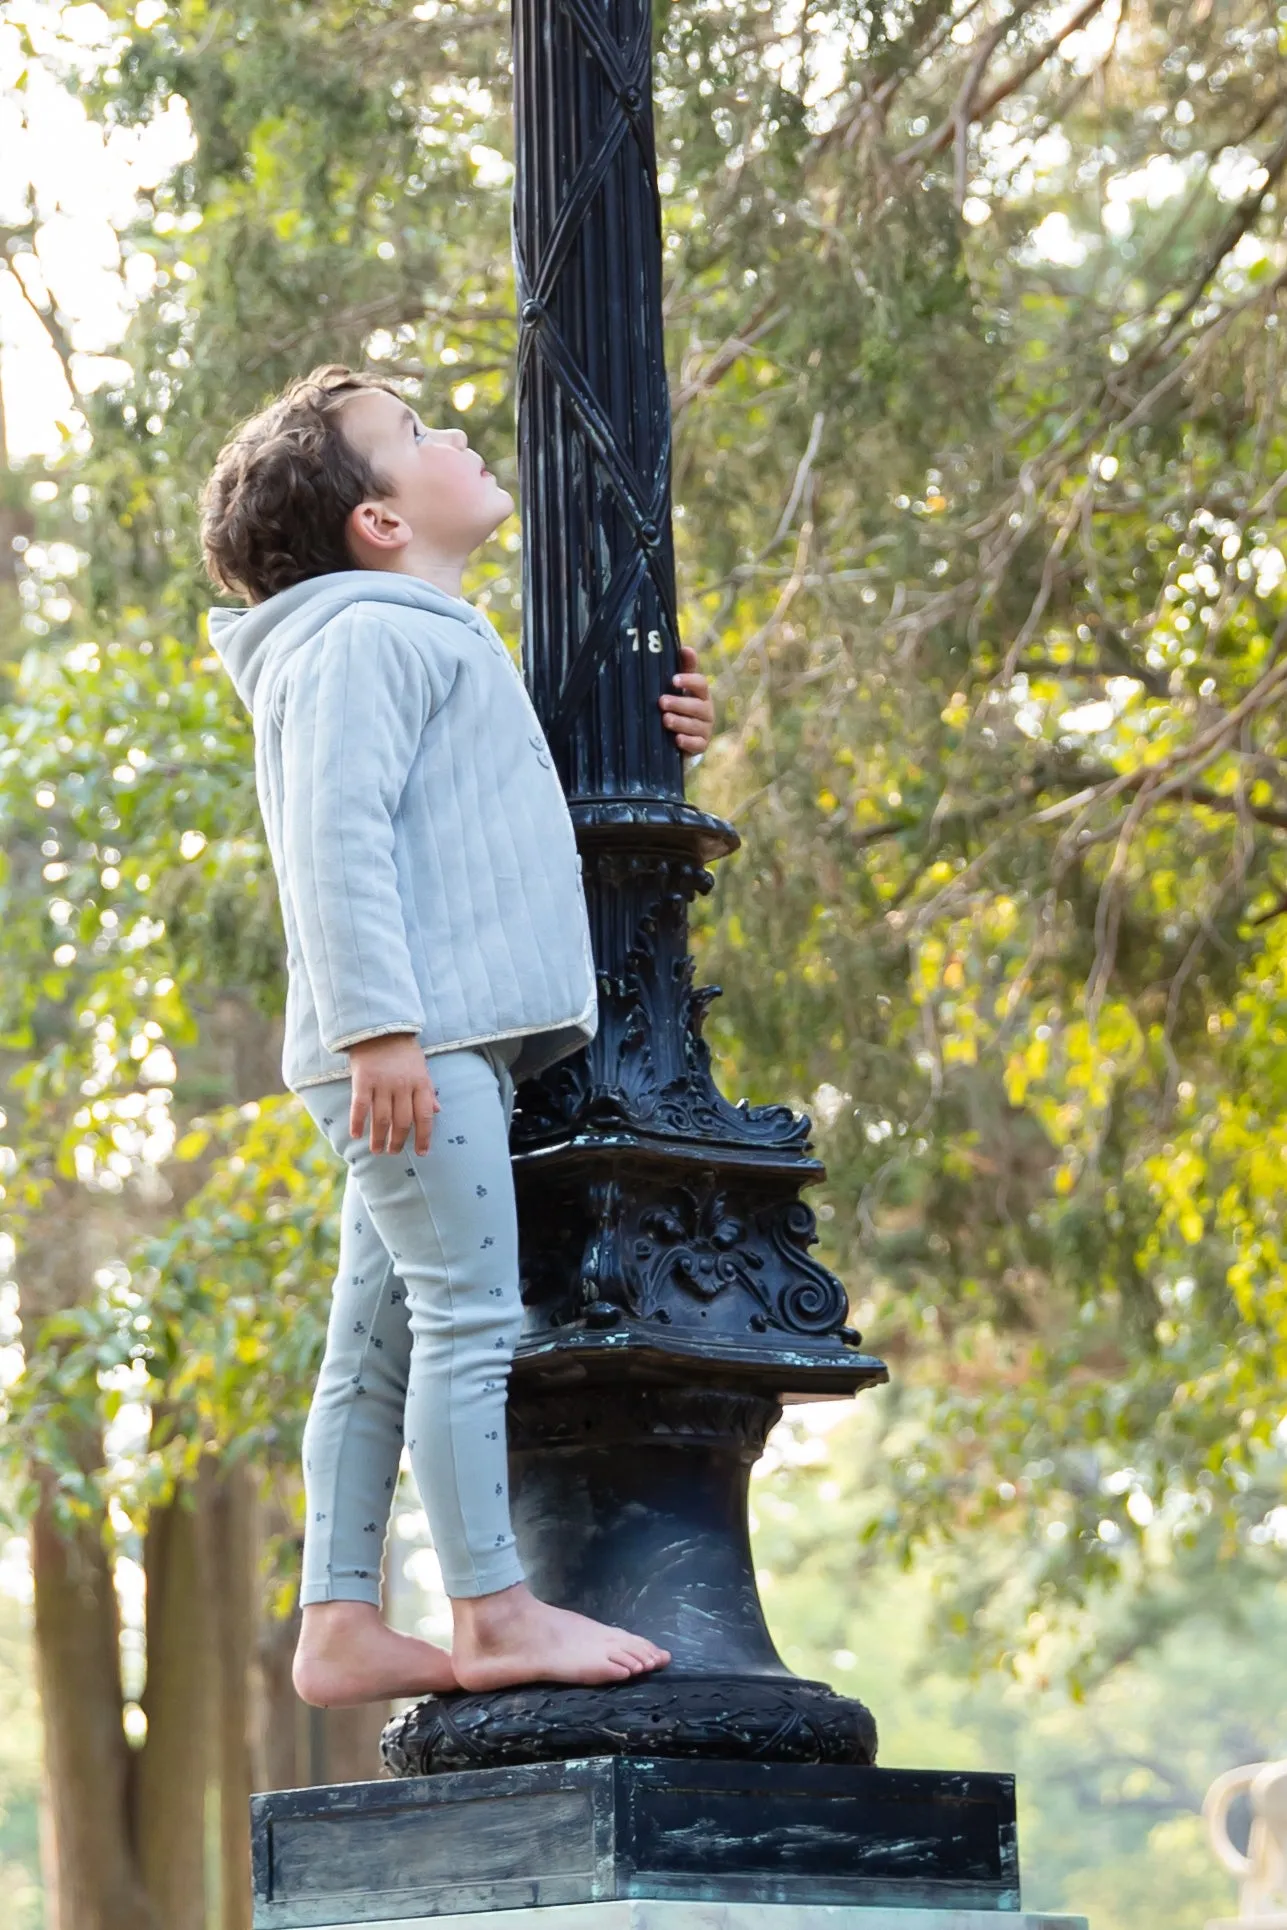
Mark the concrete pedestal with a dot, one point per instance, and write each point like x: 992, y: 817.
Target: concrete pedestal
x: 651, y: 1914
x: 644, y: 1843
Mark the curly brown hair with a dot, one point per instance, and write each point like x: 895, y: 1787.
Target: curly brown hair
x: 274, y: 510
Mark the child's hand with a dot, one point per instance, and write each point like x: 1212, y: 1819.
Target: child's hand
x: 391, y: 1082
x: 692, y: 716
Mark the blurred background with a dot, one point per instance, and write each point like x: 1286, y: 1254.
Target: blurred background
x: 975, y: 323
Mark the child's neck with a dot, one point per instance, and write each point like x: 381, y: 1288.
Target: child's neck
x: 445, y: 573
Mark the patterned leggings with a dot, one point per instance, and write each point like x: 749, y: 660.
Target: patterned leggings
x: 424, y: 1320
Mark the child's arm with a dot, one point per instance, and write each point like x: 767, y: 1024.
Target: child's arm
x: 691, y: 716
x: 356, y: 706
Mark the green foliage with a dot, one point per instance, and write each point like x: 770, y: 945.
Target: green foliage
x: 215, y: 1332
x: 979, y: 446
x: 975, y: 336
x: 1003, y: 740
x: 1111, y: 1775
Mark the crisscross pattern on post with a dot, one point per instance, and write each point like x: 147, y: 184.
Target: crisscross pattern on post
x: 593, y: 401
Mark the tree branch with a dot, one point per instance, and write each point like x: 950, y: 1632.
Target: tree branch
x: 965, y: 108
x: 874, y: 102
x: 1037, y: 59
x: 765, y: 318
x: 1181, y: 793
x: 1228, y: 238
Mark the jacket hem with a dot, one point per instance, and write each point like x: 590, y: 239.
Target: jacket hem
x: 390, y: 1031
x: 454, y: 1045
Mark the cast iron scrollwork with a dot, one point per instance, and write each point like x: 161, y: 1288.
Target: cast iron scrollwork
x: 813, y: 1300
x: 701, y: 1247
x: 700, y: 1251
x: 649, y: 1068
x: 713, y: 1253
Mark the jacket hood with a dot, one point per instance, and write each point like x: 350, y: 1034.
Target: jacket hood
x: 247, y: 639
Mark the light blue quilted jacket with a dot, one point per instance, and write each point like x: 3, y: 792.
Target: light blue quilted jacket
x: 427, y: 867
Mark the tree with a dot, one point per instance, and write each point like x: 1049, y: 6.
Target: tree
x: 1004, y: 670
x: 974, y: 319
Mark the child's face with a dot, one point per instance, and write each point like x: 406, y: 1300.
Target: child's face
x: 440, y: 487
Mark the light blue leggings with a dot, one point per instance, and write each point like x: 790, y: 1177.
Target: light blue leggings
x: 424, y: 1320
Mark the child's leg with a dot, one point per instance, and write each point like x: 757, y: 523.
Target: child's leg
x: 447, y: 1220
x: 352, y: 1447
x: 353, y: 1437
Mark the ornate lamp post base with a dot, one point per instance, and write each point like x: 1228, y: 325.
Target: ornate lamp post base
x: 719, y: 1718
x: 630, y: 1505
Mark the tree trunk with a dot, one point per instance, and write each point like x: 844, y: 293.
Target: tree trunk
x: 280, y: 1728
x: 231, y: 1556
x: 87, y: 1759
x: 279, y: 1733
x: 53, y: 1918
x: 350, y: 1744
x: 173, y: 1766
x: 295, y: 1745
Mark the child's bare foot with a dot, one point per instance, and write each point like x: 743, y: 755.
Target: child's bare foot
x: 348, y: 1654
x: 511, y: 1637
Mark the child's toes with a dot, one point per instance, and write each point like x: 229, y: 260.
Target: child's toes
x: 641, y: 1654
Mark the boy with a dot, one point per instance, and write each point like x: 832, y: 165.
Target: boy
x: 437, y: 951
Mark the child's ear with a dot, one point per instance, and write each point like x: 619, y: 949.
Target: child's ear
x: 375, y: 527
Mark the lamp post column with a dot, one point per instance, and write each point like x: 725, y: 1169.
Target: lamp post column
x: 672, y: 1301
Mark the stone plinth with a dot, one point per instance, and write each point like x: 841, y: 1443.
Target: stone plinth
x: 650, y: 1915
x: 609, y: 1833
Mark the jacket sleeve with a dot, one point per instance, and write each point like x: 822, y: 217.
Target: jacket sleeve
x: 357, y: 701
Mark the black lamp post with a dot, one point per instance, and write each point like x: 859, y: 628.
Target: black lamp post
x: 672, y: 1300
